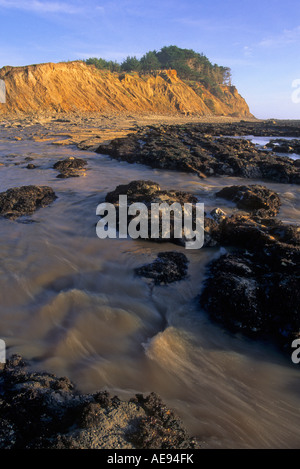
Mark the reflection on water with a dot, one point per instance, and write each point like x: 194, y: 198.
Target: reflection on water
x: 261, y: 142
x: 71, y: 302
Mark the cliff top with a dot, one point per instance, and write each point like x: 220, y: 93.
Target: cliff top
x: 78, y: 87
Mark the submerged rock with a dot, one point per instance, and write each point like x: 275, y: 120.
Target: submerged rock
x: 258, y: 199
x: 39, y: 410
x: 70, y: 167
x: 25, y: 200
x: 167, y: 268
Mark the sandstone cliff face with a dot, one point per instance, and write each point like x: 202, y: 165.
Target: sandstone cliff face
x: 74, y: 86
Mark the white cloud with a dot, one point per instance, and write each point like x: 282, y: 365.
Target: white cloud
x: 286, y: 37
x: 38, y: 6
x: 248, y: 51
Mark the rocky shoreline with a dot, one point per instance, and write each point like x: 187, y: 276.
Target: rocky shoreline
x: 42, y: 411
x: 253, y: 289
x: 256, y: 289
x: 203, y: 150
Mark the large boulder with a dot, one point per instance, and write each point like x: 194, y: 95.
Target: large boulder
x: 168, y: 267
x: 256, y: 293
x: 70, y: 167
x: 149, y: 192
x: 25, y: 200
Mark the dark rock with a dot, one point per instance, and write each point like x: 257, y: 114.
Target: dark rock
x: 31, y: 166
x: 218, y: 215
x: 252, y: 232
x: 25, y: 200
x: 256, y: 290
x: 167, y: 268
x: 212, y: 225
x: 256, y: 293
x: 288, y: 234
x: 189, y: 148
x: 40, y: 411
x: 285, y: 146
x: 256, y: 128
x: 136, y: 191
x: 148, y: 192
x: 70, y: 163
x: 70, y: 167
x: 257, y: 199
x: 102, y: 398
x: 244, y: 231
x: 91, y: 415
x: 161, y: 429
x: 7, y: 434
x: 70, y: 173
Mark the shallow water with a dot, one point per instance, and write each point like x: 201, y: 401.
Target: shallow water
x: 262, y: 141
x: 71, y: 302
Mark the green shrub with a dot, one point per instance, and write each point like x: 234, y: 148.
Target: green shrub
x: 190, y: 65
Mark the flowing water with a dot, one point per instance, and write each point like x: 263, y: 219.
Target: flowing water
x: 70, y: 303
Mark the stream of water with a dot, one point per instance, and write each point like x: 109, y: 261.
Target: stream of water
x: 71, y: 303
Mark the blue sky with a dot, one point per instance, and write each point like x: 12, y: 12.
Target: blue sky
x: 259, y: 40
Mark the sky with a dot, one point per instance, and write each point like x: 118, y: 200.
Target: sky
x: 258, y: 39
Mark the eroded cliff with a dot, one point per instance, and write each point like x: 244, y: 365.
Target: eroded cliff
x: 75, y: 86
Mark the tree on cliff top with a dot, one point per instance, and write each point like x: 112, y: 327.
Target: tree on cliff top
x: 190, y: 66
x: 130, y: 64
x: 149, y: 61
x: 103, y: 64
